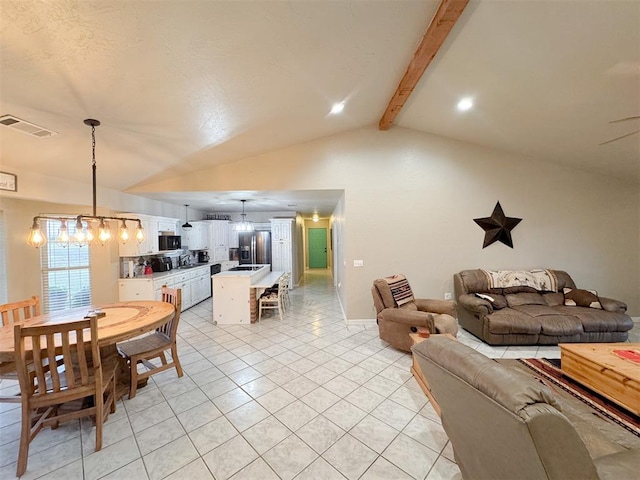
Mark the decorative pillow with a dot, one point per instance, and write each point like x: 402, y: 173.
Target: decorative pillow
x: 581, y: 298
x: 400, y: 289
x: 497, y: 301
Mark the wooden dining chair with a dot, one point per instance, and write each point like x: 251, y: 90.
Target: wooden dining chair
x: 149, y: 347
x: 46, y: 393
x: 19, y: 311
x: 12, y: 313
x: 272, y: 299
x: 285, y: 293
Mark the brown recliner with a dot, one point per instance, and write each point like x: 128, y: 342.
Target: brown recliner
x: 504, y: 424
x: 396, y: 323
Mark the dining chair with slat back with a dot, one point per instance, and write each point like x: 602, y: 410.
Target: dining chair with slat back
x: 273, y: 299
x: 19, y: 311
x: 153, y: 346
x: 12, y: 313
x: 285, y: 294
x: 47, y: 393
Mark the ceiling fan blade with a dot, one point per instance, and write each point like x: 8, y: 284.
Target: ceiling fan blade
x: 620, y: 137
x: 635, y: 117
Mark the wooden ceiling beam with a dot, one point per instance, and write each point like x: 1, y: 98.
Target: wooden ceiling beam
x: 443, y: 21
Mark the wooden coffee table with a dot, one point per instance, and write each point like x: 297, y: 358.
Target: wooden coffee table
x: 417, y: 372
x: 596, y: 366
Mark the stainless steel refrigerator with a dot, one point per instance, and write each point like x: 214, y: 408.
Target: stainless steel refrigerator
x: 255, y: 247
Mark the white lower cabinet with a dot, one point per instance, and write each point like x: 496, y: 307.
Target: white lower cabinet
x: 200, y: 288
x: 194, y: 283
x: 135, y: 289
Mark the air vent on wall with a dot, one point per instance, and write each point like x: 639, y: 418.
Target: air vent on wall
x: 25, y: 127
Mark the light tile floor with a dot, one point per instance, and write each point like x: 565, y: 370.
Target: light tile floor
x: 306, y: 398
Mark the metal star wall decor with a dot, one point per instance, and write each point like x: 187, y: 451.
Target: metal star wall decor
x: 497, y: 227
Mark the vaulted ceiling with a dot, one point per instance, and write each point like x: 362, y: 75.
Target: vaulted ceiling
x: 179, y: 86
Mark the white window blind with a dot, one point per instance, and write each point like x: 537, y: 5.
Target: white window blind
x: 3, y: 261
x: 66, y: 271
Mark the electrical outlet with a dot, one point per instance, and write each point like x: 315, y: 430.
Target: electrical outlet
x: 358, y: 263
x: 448, y: 296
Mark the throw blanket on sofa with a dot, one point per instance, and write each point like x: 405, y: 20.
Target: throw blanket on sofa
x: 400, y: 289
x: 541, y: 279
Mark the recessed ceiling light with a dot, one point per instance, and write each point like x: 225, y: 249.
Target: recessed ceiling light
x: 465, y: 104
x: 337, y: 108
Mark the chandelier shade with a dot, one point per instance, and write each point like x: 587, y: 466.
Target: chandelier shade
x: 243, y: 225
x: 84, y: 232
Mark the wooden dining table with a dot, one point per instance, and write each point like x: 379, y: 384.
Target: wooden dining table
x: 122, y: 321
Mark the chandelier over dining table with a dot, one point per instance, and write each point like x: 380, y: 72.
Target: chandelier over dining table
x: 88, y: 228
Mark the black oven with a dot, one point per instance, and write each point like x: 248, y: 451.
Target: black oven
x: 169, y: 242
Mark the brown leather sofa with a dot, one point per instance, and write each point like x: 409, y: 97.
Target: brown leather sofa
x: 504, y: 424
x: 396, y: 323
x: 525, y: 316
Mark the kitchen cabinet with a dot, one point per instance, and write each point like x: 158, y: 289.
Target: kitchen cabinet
x: 158, y: 284
x: 194, y: 283
x: 200, y: 287
x: 151, y: 225
x: 135, y: 289
x: 281, y: 229
x: 149, y: 245
x: 183, y: 281
x: 219, y: 240
x: 282, y: 245
x: 197, y: 238
x: 168, y: 226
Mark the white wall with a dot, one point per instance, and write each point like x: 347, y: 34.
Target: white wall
x: 410, y: 200
x: 409, y: 204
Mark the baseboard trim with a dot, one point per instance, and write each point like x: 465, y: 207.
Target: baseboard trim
x: 367, y: 322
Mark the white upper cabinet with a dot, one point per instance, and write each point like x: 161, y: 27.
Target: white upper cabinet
x: 281, y: 245
x: 281, y: 230
x: 198, y: 237
x: 219, y: 244
x: 151, y: 226
x: 168, y: 226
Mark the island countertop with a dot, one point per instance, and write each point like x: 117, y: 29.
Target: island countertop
x: 260, y: 271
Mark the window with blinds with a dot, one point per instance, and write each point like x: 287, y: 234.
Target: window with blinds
x: 3, y: 261
x: 66, y: 271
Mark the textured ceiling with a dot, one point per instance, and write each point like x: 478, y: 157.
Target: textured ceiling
x: 179, y: 86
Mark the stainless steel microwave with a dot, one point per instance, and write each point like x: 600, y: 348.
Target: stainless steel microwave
x: 169, y: 242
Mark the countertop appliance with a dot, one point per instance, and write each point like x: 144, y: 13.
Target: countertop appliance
x: 161, y: 264
x: 169, y: 242
x: 203, y: 257
x: 255, y: 247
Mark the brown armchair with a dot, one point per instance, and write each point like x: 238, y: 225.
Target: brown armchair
x: 395, y: 323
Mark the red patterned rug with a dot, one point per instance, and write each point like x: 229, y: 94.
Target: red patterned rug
x: 549, y: 371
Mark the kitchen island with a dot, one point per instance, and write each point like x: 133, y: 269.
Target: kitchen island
x: 235, y: 293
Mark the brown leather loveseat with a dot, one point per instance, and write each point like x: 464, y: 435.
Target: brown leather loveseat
x: 516, y: 307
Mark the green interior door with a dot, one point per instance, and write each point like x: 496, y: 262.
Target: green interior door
x: 317, y: 248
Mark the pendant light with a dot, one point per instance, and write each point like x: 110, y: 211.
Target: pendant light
x: 84, y: 234
x: 244, y: 225
x: 187, y: 225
